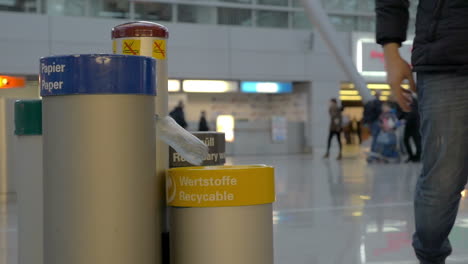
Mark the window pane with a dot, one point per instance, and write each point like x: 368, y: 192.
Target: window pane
x: 342, y: 23
x: 366, y: 24
x: 110, y: 8
x: 234, y: 16
x: 412, y: 27
x: 273, y: 2
x: 237, y: 1
x: 366, y: 5
x: 413, y: 7
x: 296, y: 3
x: 196, y: 14
x: 300, y: 20
x: 153, y: 11
x: 272, y: 19
x: 28, y: 6
x: 66, y: 7
x: 339, y: 5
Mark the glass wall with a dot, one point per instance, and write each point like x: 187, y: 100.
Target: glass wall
x: 273, y: 2
x: 300, y: 20
x: 109, y: 8
x: 153, y: 11
x: 345, y: 15
x: 276, y: 19
x: 234, y: 16
x: 27, y: 6
x: 66, y: 7
x: 340, y: 5
x: 343, y: 23
x: 196, y: 14
x: 365, y: 24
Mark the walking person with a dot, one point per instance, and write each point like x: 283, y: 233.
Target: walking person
x: 411, y: 133
x: 203, y: 125
x: 440, y: 60
x: 372, y: 111
x: 336, y: 120
x: 178, y: 114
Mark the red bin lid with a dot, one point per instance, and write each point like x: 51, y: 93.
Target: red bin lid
x: 140, y: 29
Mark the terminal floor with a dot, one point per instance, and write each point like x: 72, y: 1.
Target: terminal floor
x: 327, y: 212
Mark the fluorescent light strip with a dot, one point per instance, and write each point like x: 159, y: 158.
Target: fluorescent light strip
x: 209, y: 86
x: 349, y: 92
x: 378, y: 86
x: 173, y: 86
x: 350, y: 98
x: 382, y: 92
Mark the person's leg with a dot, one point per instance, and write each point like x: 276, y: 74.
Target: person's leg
x: 407, y: 137
x: 330, y: 136
x: 375, y: 130
x: 417, y: 143
x: 444, y: 109
x: 338, y: 137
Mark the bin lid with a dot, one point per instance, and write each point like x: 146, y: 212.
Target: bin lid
x: 220, y: 186
x: 28, y: 117
x: 140, y: 29
x: 97, y: 74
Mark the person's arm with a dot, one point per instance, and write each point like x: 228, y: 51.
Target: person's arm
x: 392, y: 23
x: 399, y: 70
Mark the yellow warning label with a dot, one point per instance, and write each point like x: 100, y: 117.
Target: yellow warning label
x: 219, y: 186
x: 159, y: 49
x: 131, y: 47
x: 114, y: 46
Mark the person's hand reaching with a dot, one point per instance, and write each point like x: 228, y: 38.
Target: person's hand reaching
x: 399, y: 70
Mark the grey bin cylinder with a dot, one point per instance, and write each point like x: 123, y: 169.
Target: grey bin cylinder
x: 99, y: 176
x: 222, y: 234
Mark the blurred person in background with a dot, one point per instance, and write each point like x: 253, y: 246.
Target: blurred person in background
x: 440, y: 60
x: 178, y: 115
x: 203, y: 125
x: 356, y: 129
x: 412, y: 133
x: 336, y: 121
x: 387, y: 142
x: 372, y: 111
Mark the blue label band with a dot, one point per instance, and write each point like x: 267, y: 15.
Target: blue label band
x: 97, y: 74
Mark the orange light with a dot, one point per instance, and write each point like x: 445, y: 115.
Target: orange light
x: 7, y: 82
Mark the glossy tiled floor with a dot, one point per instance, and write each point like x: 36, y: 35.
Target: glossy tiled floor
x: 327, y: 212
x: 347, y: 212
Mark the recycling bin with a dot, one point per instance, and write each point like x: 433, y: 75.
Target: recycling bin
x: 221, y: 214
x: 99, y: 159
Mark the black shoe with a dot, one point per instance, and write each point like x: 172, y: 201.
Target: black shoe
x: 409, y: 160
x: 326, y: 156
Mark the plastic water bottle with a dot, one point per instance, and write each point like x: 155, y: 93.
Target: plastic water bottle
x: 187, y: 145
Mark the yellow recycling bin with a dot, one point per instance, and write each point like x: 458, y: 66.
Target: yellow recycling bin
x: 221, y: 214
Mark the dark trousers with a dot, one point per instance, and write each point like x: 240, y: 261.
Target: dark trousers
x: 412, y: 133
x: 330, y: 136
x: 443, y: 105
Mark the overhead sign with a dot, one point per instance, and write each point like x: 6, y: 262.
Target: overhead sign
x: 369, y: 56
x: 266, y: 87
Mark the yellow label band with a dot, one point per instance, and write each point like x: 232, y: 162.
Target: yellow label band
x: 159, y: 49
x: 219, y: 186
x: 131, y: 47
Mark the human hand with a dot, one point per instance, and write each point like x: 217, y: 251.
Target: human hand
x: 399, y: 70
